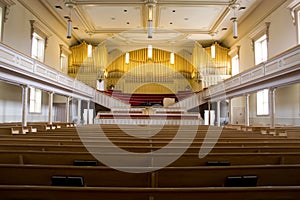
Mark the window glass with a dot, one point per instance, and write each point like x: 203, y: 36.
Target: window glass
x: 235, y: 65
x: 261, y: 49
x: 35, y: 104
x: 38, y: 47
x: 263, y: 102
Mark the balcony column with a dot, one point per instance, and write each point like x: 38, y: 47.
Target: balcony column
x: 68, y: 109
x: 229, y: 110
x: 209, y: 108
x: 272, y: 108
x: 50, y: 107
x: 247, y: 112
x: 218, y: 113
x: 24, y: 104
x: 88, y: 112
x: 79, y: 112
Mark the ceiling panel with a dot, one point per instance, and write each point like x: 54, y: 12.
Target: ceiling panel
x: 196, y: 17
x: 96, y: 20
x: 115, y: 17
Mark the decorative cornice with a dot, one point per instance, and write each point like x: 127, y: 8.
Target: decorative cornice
x: 7, y: 4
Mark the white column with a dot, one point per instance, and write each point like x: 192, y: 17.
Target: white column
x: 272, y: 107
x: 247, y: 114
x: 24, y: 104
x: 79, y: 111
x: 229, y: 110
x: 209, y: 107
x: 50, y: 107
x: 218, y: 113
x: 68, y: 109
x: 88, y: 113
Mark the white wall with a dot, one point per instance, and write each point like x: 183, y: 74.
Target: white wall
x: 11, y: 105
x: 282, y: 36
x: 17, y: 32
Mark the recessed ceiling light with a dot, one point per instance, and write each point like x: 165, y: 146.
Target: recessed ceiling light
x: 173, y: 10
x: 127, y: 23
x: 242, y: 8
x: 125, y: 10
x: 67, y: 17
x: 224, y: 29
x: 58, y: 7
x: 113, y: 18
x: 171, y: 22
x: 75, y: 27
x: 186, y: 18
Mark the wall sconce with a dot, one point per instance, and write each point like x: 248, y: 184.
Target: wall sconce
x: 90, y: 50
x: 150, y: 51
x: 127, y: 58
x: 213, y: 50
x: 172, y: 58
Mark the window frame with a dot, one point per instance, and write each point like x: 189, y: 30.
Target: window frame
x: 234, y: 53
x: 265, y: 103
x: 34, y: 100
x: 40, y: 47
x: 261, y: 43
x: 42, y: 32
x: 64, y: 58
x: 294, y: 7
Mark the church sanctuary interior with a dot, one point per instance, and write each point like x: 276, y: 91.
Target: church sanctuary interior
x: 150, y: 99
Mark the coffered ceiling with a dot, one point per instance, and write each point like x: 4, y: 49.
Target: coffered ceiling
x: 202, y: 20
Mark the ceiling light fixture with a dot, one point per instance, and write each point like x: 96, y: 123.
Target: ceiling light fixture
x: 150, y: 4
x: 70, y: 4
x: 234, y: 6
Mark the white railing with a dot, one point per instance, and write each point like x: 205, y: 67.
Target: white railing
x: 281, y: 67
x: 276, y: 67
x: 21, y: 65
x: 48, y: 78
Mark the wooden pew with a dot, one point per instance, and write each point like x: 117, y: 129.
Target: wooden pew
x: 187, y: 159
x: 130, y: 193
x: 109, y: 148
x: 268, y: 175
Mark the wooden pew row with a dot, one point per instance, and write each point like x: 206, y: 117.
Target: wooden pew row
x: 149, y: 134
x: 288, y: 131
x: 173, y: 149
x: 187, y: 159
x: 147, y: 142
x: 271, y: 175
x: 171, y: 131
x: 92, y: 137
x: 17, y: 128
x: 19, y: 192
